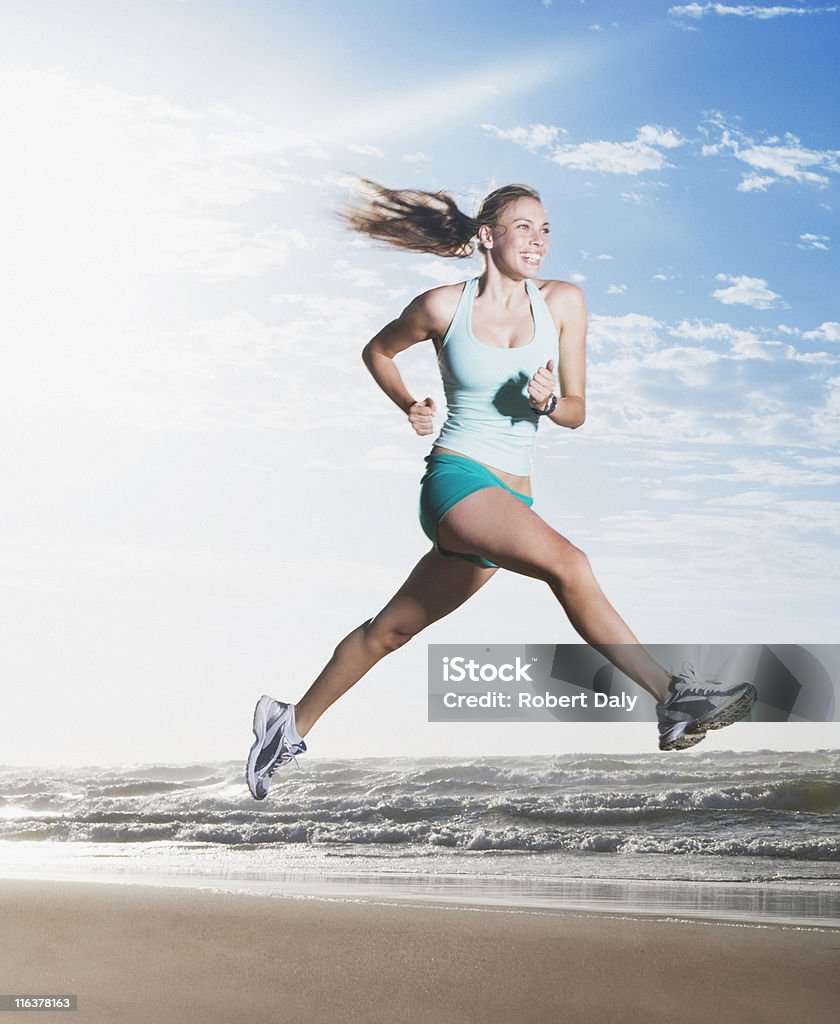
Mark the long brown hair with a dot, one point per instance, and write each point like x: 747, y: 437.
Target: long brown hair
x: 428, y: 222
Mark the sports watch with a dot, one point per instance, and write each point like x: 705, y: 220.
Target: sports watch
x: 552, y: 405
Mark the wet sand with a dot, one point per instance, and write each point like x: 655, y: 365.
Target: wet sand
x: 154, y: 955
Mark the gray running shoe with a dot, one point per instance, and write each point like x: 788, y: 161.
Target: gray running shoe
x: 693, y: 707
x: 673, y: 735
x: 276, y: 744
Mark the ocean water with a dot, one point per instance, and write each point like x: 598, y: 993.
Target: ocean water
x: 734, y: 837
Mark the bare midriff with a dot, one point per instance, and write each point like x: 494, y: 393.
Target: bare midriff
x: 517, y: 483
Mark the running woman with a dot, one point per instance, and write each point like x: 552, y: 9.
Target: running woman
x: 511, y: 351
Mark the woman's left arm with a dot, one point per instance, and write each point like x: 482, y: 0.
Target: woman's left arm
x: 566, y: 301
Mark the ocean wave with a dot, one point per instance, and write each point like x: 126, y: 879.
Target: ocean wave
x: 757, y: 805
x: 466, y: 835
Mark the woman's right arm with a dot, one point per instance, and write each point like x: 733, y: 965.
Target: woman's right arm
x: 419, y: 321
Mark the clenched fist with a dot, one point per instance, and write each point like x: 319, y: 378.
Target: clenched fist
x: 421, y: 417
x: 542, y: 386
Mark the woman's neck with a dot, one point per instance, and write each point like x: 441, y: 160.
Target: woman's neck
x: 500, y: 288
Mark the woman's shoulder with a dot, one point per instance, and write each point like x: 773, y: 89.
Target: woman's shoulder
x: 443, y: 294
x: 554, y: 287
x: 562, y: 296
x: 438, y: 305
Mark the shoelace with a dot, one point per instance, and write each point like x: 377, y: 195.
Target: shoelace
x: 693, y: 686
x: 699, y: 686
x: 286, y: 754
x: 687, y: 672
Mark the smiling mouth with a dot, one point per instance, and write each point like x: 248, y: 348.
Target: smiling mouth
x: 531, y: 257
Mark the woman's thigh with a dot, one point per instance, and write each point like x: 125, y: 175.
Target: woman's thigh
x: 496, y: 525
x: 436, y: 586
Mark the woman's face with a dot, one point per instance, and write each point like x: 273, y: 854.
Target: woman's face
x: 518, y: 242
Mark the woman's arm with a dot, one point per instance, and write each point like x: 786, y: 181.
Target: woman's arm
x: 568, y: 305
x: 419, y: 321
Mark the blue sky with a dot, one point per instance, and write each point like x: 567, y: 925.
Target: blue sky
x: 205, y: 490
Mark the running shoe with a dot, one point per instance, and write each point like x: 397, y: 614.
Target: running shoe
x: 673, y: 735
x: 693, y: 707
x: 276, y: 744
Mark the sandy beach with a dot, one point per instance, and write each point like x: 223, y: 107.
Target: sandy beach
x: 145, y: 954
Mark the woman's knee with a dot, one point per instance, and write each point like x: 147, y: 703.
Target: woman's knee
x: 569, y: 567
x: 386, y: 635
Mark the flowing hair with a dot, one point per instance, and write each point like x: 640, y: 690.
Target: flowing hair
x: 429, y: 222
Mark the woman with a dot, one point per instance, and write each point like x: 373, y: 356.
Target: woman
x: 511, y: 350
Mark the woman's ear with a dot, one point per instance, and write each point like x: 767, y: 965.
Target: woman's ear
x: 485, y: 236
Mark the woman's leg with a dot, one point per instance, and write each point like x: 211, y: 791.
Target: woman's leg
x: 437, y: 586
x: 493, y: 523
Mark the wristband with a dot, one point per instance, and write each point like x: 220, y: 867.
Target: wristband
x: 552, y: 405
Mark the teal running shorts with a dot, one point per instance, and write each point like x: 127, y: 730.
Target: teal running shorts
x: 448, y: 479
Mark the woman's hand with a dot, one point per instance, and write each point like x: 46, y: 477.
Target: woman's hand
x: 542, y: 386
x: 420, y: 416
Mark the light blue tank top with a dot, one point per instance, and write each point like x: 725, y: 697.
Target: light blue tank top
x: 489, y: 418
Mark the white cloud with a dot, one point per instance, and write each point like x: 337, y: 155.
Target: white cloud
x: 771, y: 160
x: 790, y: 160
x: 749, y: 344
x: 828, y: 331
x: 688, y: 365
x: 108, y: 182
x: 366, y: 150
x: 617, y: 289
x: 721, y: 385
x: 633, y: 329
x: 811, y: 241
x: 755, y: 183
x: 760, y: 12
x: 361, y: 277
x: 634, y: 157
x: 416, y: 158
x: 236, y: 370
x: 761, y: 350
x: 746, y: 499
x: 745, y: 291
x: 670, y: 494
x: 386, y: 458
x: 577, y: 278
x: 823, y: 358
x: 705, y: 332
x: 444, y: 271
x: 776, y: 473
x: 642, y: 192
x: 643, y: 153
x: 679, y: 357
x: 263, y: 252
x: 821, y: 461
x: 654, y: 135
x: 532, y: 137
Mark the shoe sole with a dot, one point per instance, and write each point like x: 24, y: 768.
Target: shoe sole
x: 683, y: 741
x: 260, y: 721
x: 734, y: 712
